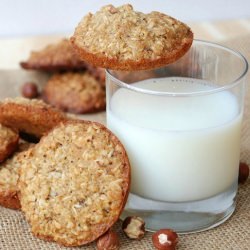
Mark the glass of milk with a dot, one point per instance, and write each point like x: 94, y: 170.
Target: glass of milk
x: 181, y: 127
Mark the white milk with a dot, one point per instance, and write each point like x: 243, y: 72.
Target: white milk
x: 180, y: 148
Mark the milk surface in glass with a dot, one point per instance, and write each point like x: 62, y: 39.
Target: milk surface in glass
x: 181, y: 148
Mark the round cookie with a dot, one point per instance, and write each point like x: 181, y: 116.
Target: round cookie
x: 75, y: 92
x: 55, y: 57
x: 9, y: 175
x: 123, y: 39
x: 75, y: 184
x: 33, y: 117
x: 8, y: 142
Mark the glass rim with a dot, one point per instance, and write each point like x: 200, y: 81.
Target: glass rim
x: 228, y: 85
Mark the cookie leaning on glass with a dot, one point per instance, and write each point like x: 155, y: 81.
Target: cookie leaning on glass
x: 123, y: 39
x: 75, y: 184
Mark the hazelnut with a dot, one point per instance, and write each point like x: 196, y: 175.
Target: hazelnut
x: 134, y: 227
x: 29, y: 90
x: 165, y: 239
x: 243, y: 172
x: 108, y: 241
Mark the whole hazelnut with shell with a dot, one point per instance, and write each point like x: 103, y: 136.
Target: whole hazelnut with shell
x: 165, y: 239
x: 29, y: 90
x: 243, y: 172
x: 108, y: 241
x: 134, y: 227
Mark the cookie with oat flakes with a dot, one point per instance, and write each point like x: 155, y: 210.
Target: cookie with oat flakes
x: 75, y: 184
x: 54, y: 57
x: 98, y: 73
x: 123, y: 39
x: 29, y: 116
x: 8, y: 142
x: 75, y: 92
x: 9, y: 175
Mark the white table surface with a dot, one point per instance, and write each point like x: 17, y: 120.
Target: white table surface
x: 31, y: 17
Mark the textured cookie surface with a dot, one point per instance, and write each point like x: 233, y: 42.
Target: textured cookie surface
x: 8, y: 142
x: 75, y: 93
x: 123, y: 39
x: 75, y: 184
x: 9, y: 175
x: 29, y: 116
x: 98, y: 73
x: 59, y: 56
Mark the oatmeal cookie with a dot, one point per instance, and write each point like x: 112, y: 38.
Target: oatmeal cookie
x: 54, y: 57
x: 8, y: 142
x: 75, y: 93
x: 33, y: 117
x: 98, y: 73
x: 75, y: 184
x: 123, y: 39
x: 9, y: 177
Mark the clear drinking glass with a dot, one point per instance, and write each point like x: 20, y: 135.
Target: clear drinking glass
x: 181, y: 126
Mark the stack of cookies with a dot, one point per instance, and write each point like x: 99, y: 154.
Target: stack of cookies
x: 20, y: 120
x: 75, y: 86
x: 123, y: 39
x: 73, y: 182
